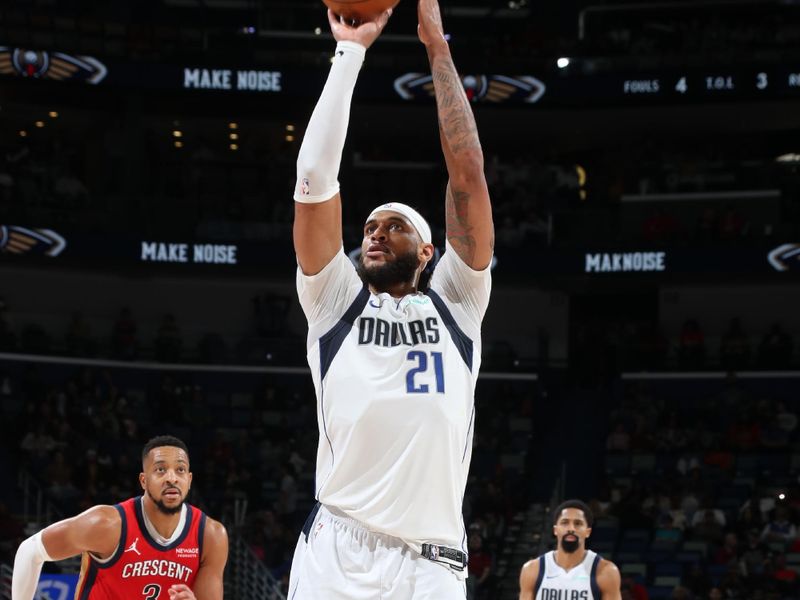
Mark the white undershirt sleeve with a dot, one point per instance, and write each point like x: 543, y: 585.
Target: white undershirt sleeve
x: 31, y: 554
x: 321, y: 152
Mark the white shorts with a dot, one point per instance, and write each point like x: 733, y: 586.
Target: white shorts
x: 339, y: 559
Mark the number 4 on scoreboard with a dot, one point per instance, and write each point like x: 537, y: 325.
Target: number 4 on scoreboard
x: 681, y: 85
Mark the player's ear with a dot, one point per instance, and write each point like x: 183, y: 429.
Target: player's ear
x: 142, y: 481
x: 588, y: 532
x: 425, y: 252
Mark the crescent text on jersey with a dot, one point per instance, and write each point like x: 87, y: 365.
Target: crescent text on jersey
x: 160, y: 567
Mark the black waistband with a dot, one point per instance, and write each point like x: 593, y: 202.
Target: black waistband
x: 451, y: 557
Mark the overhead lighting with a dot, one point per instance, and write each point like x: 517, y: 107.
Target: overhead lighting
x: 318, y: 31
x: 177, y: 133
x: 39, y: 124
x: 791, y: 157
x: 178, y: 144
x: 290, y: 127
x: 562, y: 62
x: 52, y: 114
x: 234, y: 136
x: 234, y: 146
x: 233, y: 126
x: 289, y: 138
x: 23, y: 133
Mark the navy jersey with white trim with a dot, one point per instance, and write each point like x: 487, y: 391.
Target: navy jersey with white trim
x: 395, y: 384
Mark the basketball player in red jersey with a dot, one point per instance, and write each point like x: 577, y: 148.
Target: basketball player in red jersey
x: 152, y: 547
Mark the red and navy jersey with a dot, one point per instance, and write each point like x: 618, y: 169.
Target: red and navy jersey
x: 141, y: 568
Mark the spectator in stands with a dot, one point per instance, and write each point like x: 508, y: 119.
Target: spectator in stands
x: 728, y: 553
x: 619, y: 440
x: 715, y: 594
x: 8, y: 339
x: 681, y: 593
x: 708, y: 529
x: 754, y: 558
x: 78, y: 339
x: 732, y: 226
x: 708, y: 225
x: 786, y: 578
x: 123, y: 337
x: 734, y: 348
x: 168, y: 341
x: 659, y: 226
x: 666, y: 529
x: 479, y: 582
x: 697, y: 580
x: 700, y: 516
x: 38, y: 445
x: 779, y: 529
x: 775, y: 349
x: 691, y: 346
x: 632, y: 590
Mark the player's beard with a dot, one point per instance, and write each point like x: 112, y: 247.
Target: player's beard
x: 167, y: 510
x: 381, y: 277
x: 570, y: 546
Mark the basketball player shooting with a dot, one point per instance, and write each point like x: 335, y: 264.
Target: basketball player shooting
x: 394, y: 361
x: 571, y: 570
x: 153, y: 547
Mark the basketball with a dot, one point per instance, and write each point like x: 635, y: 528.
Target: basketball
x: 359, y: 10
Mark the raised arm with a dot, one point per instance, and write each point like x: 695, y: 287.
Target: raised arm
x: 470, y: 230
x: 318, y: 205
x: 96, y: 530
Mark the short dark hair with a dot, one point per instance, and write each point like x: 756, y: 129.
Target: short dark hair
x: 587, y: 512
x: 163, y: 440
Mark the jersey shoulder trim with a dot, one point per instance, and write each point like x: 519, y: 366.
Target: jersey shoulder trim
x: 593, y: 578
x: 201, y: 531
x: 331, y: 342
x: 460, y: 339
x: 540, y: 577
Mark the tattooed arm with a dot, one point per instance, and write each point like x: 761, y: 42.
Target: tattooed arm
x: 469, y: 212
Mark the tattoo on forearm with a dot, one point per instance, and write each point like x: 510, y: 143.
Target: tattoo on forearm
x: 455, y: 114
x: 459, y: 231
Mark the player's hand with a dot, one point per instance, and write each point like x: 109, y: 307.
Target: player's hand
x: 181, y: 592
x: 430, y: 29
x: 365, y: 33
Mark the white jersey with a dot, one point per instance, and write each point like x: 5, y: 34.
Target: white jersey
x: 579, y: 583
x: 395, y: 384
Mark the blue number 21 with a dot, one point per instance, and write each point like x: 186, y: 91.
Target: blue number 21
x: 421, y: 360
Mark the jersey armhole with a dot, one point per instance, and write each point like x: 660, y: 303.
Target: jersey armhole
x: 201, y: 533
x: 104, y: 563
x: 593, y: 579
x: 540, y: 578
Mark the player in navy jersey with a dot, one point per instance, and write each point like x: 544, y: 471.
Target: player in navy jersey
x: 394, y: 361
x: 571, y: 571
x: 152, y: 547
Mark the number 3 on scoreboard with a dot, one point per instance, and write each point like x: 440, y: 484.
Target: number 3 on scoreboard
x: 421, y: 359
x: 151, y: 591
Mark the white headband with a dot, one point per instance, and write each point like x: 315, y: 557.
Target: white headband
x: 416, y: 219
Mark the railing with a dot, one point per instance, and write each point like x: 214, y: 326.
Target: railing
x: 36, y: 507
x: 247, y: 577
x: 5, y: 582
